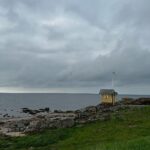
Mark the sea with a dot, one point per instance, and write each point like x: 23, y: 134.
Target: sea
x: 12, y: 103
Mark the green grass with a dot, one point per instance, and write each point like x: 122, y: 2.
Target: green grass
x: 126, y: 130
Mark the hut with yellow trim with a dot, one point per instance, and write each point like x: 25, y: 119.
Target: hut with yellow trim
x: 108, y: 96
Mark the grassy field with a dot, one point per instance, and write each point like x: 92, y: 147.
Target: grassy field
x: 128, y: 130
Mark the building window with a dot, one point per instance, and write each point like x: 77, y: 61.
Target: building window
x: 106, y: 96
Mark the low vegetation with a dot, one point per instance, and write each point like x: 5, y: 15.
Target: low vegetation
x: 125, y: 130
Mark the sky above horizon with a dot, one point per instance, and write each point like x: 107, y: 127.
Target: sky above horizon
x: 74, y: 45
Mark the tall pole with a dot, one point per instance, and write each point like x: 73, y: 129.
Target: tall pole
x: 113, y: 76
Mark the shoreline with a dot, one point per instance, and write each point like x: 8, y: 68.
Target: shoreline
x: 66, y: 119
x: 14, y: 109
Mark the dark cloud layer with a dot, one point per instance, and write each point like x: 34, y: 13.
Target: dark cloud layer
x: 73, y: 44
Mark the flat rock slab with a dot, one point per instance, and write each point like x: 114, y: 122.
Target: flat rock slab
x: 21, y: 126
x: 5, y: 131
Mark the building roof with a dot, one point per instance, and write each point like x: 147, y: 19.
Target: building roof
x: 107, y: 91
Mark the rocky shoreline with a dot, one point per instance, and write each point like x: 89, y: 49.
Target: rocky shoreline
x: 45, y: 119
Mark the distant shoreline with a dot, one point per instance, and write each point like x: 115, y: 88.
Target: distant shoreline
x: 70, y: 93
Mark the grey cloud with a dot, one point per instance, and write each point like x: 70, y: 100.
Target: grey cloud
x: 52, y: 44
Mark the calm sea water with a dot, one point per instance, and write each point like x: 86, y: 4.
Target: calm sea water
x: 12, y: 103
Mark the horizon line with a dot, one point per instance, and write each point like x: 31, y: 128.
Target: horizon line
x: 65, y: 93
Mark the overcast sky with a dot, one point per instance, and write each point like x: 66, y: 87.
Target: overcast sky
x: 74, y: 45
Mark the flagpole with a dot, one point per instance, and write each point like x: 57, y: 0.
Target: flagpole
x: 113, y: 75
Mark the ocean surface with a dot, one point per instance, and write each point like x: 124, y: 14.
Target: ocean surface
x: 11, y: 103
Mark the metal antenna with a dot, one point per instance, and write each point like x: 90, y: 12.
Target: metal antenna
x: 113, y: 76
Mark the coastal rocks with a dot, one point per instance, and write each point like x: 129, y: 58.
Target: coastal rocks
x: 6, y: 116
x: 38, y: 123
x: 50, y: 120
x: 60, y: 120
x: 33, y: 112
x: 65, y: 119
x: 58, y: 111
x: 17, y: 125
x: 139, y: 101
x: 86, y: 114
x: 99, y: 112
x: 35, y: 125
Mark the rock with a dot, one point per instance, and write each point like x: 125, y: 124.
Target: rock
x: 68, y: 122
x: 91, y: 109
x: 25, y: 110
x: 33, y: 112
x: 1, y: 123
x: 6, y: 116
x: 17, y: 126
x: 69, y: 111
x: 34, y: 125
x: 58, y: 111
x: 139, y: 101
x: 126, y: 101
x: 44, y: 110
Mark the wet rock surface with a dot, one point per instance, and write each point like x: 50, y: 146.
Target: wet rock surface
x: 33, y: 112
